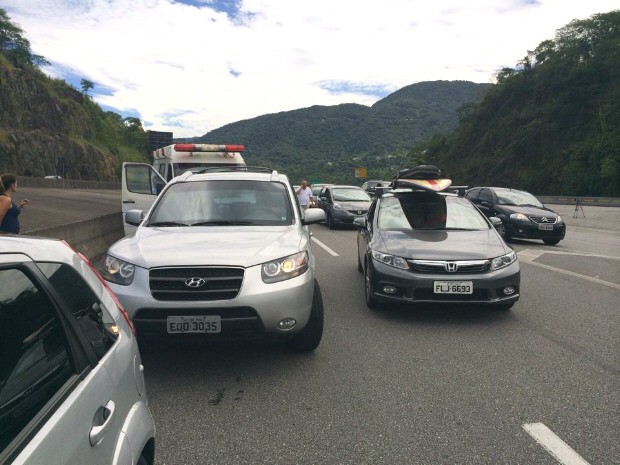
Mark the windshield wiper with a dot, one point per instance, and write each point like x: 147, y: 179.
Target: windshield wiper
x: 167, y: 223
x: 222, y: 223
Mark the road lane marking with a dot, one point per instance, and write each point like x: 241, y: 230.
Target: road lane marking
x: 553, y: 444
x: 528, y: 256
x: 327, y: 249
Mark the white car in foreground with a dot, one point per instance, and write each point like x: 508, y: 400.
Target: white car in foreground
x: 71, y: 378
x: 221, y: 254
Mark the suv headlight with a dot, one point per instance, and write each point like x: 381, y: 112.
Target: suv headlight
x: 117, y: 271
x: 504, y: 260
x: 519, y: 217
x: 285, y: 268
x: 396, y: 262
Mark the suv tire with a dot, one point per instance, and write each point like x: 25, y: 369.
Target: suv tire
x: 309, y: 338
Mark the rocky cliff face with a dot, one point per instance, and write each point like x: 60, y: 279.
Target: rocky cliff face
x: 45, y: 128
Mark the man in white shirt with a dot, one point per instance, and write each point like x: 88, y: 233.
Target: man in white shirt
x: 304, y: 194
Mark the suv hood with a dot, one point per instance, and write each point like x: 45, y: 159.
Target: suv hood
x: 444, y: 245
x: 207, y: 245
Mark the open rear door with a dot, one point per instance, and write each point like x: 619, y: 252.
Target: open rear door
x: 140, y: 184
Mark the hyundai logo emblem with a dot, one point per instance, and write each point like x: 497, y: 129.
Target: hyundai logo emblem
x: 452, y: 267
x: 195, y: 282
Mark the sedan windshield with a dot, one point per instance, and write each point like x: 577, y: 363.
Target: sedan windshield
x: 223, y: 203
x: 429, y: 211
x: 350, y: 194
x: 510, y: 197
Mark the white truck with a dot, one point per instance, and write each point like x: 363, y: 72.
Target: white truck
x: 141, y: 182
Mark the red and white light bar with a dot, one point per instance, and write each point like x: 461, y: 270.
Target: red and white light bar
x: 208, y: 148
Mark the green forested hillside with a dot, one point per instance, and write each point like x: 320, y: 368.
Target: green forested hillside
x: 551, y: 125
x: 329, y: 143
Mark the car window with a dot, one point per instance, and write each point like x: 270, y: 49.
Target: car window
x: 431, y: 211
x: 485, y: 195
x: 473, y: 195
x: 93, y: 319
x: 347, y: 194
x: 218, y: 202
x: 34, y: 350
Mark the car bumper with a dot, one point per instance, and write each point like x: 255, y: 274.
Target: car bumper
x: 256, y: 310
x: 391, y: 284
x: 532, y: 231
x: 344, y: 217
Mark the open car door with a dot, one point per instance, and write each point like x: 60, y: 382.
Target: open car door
x: 141, y: 185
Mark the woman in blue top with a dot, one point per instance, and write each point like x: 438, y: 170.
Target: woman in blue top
x: 9, y: 210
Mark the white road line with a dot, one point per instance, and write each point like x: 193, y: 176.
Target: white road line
x: 320, y: 244
x: 553, y: 444
x: 528, y: 256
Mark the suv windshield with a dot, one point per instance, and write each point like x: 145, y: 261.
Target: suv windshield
x: 348, y: 194
x: 429, y: 211
x: 216, y: 203
x: 508, y: 197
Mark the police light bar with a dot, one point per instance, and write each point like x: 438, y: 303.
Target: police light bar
x: 208, y: 148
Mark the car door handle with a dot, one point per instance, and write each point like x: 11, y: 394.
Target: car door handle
x: 101, y: 421
x: 129, y: 201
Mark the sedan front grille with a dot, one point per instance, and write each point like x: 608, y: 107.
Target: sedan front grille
x: 358, y: 212
x: 195, y: 283
x: 450, y: 267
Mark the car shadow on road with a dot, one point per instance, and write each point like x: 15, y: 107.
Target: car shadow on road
x: 445, y: 314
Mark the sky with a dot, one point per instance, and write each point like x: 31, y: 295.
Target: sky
x: 191, y: 66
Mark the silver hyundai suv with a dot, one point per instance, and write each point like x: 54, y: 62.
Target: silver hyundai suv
x: 225, y: 253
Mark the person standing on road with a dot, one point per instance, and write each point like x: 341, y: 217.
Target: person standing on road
x: 9, y: 210
x: 304, y: 194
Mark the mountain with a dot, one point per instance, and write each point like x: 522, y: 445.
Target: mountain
x: 330, y: 142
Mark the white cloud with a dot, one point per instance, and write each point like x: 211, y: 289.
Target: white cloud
x: 192, y: 69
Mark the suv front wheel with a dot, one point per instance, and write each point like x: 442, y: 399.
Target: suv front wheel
x: 309, y: 338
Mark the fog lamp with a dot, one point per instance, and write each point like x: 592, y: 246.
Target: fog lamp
x: 287, y: 323
x: 389, y: 289
x: 509, y: 290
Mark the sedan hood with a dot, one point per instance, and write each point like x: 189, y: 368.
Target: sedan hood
x: 213, y: 245
x: 444, y: 245
x: 361, y: 205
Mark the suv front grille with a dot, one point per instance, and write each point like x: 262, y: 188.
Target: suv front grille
x: 450, y: 267
x: 195, y: 283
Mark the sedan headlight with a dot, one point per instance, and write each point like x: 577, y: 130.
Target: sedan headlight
x: 504, y: 260
x: 117, y: 271
x: 519, y: 217
x: 560, y: 220
x: 285, y: 268
x: 396, y: 262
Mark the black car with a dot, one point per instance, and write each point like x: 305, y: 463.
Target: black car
x: 522, y: 214
x: 427, y: 247
x: 373, y: 185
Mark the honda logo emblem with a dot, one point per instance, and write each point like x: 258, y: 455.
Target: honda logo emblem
x: 195, y: 282
x: 451, y: 267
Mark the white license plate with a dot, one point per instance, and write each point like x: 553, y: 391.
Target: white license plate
x: 453, y: 287
x: 194, y: 324
x: 545, y: 227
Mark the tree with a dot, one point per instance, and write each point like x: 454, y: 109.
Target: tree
x: 15, y: 45
x: 86, y: 85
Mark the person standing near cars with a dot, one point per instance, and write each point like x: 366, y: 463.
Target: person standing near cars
x: 304, y: 194
x: 9, y: 210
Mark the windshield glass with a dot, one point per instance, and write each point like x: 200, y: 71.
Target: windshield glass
x: 508, y: 197
x: 206, y: 203
x: 429, y: 211
x: 350, y: 194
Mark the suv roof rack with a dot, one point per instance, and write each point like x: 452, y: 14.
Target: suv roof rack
x: 224, y: 169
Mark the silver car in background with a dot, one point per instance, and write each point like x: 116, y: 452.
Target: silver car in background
x: 71, y: 378
x: 222, y: 254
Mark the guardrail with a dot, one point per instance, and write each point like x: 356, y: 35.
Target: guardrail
x: 26, y: 181
x: 584, y: 201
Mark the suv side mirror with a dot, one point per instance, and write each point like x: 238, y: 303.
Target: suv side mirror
x: 134, y: 217
x: 360, y: 223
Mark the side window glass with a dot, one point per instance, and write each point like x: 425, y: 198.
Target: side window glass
x: 33, y: 350
x: 93, y: 319
x: 473, y: 195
